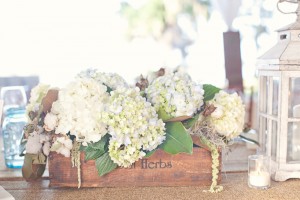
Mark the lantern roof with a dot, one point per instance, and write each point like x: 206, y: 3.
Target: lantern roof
x: 285, y: 55
x: 293, y: 26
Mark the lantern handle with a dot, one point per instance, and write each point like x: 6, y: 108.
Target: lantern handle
x: 297, y: 11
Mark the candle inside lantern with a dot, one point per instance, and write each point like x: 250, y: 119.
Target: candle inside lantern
x: 258, y: 172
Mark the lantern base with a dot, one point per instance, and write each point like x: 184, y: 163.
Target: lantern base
x: 281, y: 175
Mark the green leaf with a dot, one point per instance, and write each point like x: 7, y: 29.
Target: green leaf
x: 104, y: 164
x: 100, y: 145
x: 190, y: 122
x: 22, y: 146
x: 109, y: 89
x: 88, y: 148
x: 143, y: 94
x: 39, y: 159
x: 163, y: 115
x: 97, y: 149
x: 249, y: 140
x: 55, y: 147
x: 92, y: 155
x: 179, y: 119
x: 177, y: 140
x: 210, y: 91
x: 31, y: 171
x: 150, y: 153
x: 83, y: 148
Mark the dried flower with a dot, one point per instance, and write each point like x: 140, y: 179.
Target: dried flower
x: 50, y: 122
x: 142, y: 83
x: 37, y: 142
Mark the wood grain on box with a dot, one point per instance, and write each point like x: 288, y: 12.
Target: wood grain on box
x: 161, y: 169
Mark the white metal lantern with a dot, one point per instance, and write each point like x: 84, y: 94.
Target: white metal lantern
x: 279, y: 102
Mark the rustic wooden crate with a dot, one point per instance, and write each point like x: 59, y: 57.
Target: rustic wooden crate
x: 161, y: 169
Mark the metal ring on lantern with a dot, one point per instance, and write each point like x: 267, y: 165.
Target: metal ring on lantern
x: 289, y: 1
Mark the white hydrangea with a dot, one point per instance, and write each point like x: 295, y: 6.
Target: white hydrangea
x: 62, y: 145
x: 154, y: 74
x: 228, y: 118
x: 78, y: 108
x: 176, y: 94
x: 112, y: 80
x: 133, y: 125
x: 36, y: 96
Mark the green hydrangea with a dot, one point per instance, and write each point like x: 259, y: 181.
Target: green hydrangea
x: 133, y: 125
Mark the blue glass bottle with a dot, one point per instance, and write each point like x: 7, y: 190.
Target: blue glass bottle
x: 12, y: 129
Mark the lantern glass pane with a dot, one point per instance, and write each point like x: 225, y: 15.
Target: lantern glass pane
x: 294, y: 97
x: 275, y: 96
x: 263, y: 133
x: 263, y: 94
x: 293, y: 142
x: 274, y: 140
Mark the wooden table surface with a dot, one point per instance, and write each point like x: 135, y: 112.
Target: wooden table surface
x: 235, y: 187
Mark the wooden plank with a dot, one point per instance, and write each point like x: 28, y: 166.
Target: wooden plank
x: 161, y: 169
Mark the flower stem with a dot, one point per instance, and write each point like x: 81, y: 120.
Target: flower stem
x: 214, y: 188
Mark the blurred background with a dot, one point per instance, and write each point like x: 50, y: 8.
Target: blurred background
x: 216, y: 41
x: 51, y: 41
x: 54, y: 40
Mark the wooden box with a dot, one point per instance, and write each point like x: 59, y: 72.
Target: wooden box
x: 161, y: 169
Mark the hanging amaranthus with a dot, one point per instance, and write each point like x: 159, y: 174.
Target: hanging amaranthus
x: 75, y: 157
x: 212, y: 141
x: 214, y: 188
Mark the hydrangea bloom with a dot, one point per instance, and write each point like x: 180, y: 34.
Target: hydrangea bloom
x: 176, y: 94
x: 133, y: 125
x: 228, y: 118
x: 77, y: 110
x: 36, y: 96
x: 112, y: 80
x: 153, y: 75
x: 62, y: 145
